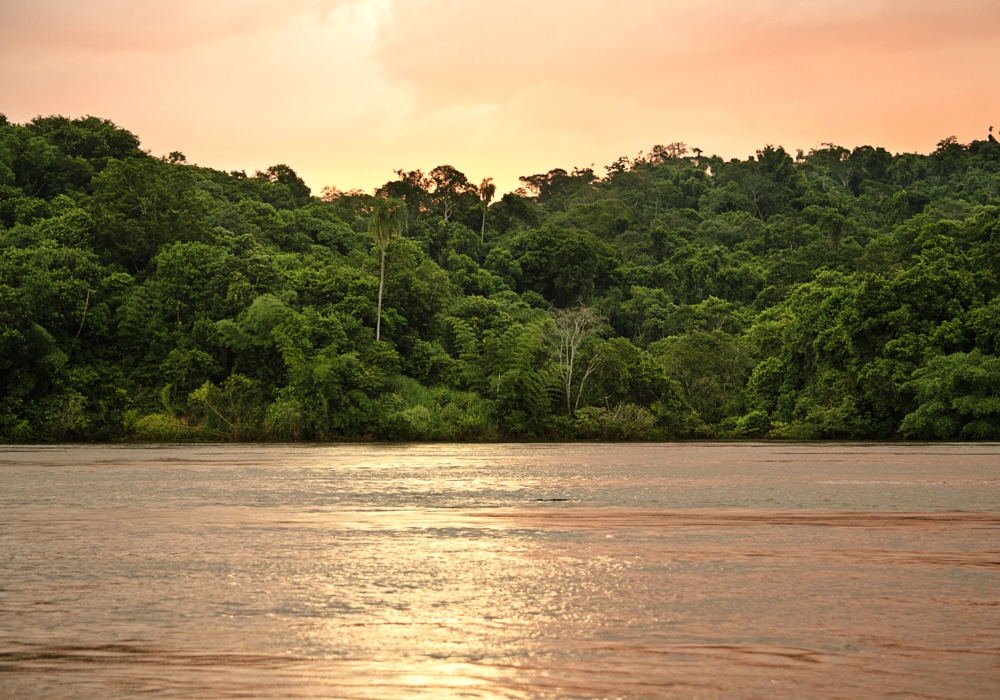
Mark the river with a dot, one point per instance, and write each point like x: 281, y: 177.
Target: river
x: 685, y: 570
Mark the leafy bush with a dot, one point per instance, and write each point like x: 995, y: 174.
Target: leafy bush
x: 160, y: 427
x: 625, y: 422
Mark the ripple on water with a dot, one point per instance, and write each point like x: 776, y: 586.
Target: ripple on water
x: 500, y: 571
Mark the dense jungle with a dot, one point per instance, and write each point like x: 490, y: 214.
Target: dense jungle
x: 829, y: 294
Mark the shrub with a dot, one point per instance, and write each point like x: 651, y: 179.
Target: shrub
x: 625, y: 422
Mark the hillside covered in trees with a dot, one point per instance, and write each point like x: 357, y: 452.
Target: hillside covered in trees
x: 829, y: 294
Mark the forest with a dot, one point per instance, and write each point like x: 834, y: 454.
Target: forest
x: 829, y: 294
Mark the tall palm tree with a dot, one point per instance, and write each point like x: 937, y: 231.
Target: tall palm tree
x: 486, y: 191
x: 388, y: 219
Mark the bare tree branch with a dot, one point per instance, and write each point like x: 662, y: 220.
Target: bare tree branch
x: 571, y: 327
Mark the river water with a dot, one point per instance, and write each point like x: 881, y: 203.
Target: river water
x: 479, y: 571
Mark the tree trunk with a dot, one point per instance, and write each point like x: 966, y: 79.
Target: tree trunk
x: 570, y: 357
x: 590, y: 368
x: 482, y: 232
x: 381, y: 283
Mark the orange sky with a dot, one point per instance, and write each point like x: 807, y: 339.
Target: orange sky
x: 346, y: 90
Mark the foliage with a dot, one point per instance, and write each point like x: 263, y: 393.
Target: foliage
x: 838, y: 294
x: 958, y: 396
x: 625, y: 422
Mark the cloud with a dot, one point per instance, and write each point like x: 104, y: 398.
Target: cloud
x: 730, y: 75
x: 144, y: 26
x: 347, y: 90
x: 237, y: 85
x: 660, y: 51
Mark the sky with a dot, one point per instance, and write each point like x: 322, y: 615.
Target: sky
x: 346, y: 91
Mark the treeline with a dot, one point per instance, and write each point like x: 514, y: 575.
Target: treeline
x: 830, y: 294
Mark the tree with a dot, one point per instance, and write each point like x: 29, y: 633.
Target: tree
x: 959, y: 397
x: 412, y: 187
x: 563, y: 265
x: 140, y: 204
x: 387, y: 221
x: 662, y: 154
x: 571, y: 327
x: 287, y: 190
x: 449, y: 187
x: 711, y: 368
x: 486, y: 191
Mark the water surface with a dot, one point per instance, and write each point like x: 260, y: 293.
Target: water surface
x: 461, y: 571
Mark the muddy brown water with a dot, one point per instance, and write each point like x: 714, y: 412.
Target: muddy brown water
x: 507, y: 571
